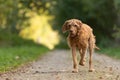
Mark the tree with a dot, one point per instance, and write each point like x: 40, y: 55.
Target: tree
x: 13, y: 12
x: 100, y: 15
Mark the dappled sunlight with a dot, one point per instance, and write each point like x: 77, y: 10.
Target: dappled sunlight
x: 41, y: 31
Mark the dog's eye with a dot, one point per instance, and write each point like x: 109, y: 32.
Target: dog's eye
x: 75, y: 25
x: 69, y: 26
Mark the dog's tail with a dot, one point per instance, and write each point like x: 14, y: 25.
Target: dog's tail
x: 97, y: 48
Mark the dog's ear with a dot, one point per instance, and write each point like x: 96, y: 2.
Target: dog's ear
x: 79, y: 23
x: 64, y: 27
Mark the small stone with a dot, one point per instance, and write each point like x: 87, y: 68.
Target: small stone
x: 7, y: 79
x: 110, y: 68
x: 117, y: 68
x: 100, y: 77
x: 106, y: 67
x: 36, y: 72
x: 117, y: 77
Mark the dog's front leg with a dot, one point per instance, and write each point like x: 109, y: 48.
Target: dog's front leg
x: 74, y: 56
x: 82, y: 54
x: 82, y: 60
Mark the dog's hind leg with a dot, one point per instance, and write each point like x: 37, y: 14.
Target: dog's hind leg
x: 91, y: 50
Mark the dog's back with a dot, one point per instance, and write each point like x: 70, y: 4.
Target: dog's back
x: 88, y: 33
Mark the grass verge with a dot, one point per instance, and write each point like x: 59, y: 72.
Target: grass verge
x: 12, y: 57
x: 111, y: 51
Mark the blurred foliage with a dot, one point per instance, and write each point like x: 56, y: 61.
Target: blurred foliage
x: 111, y: 51
x: 22, y: 17
x: 8, y: 40
x: 9, y: 15
x: 103, y: 16
x: 14, y: 12
x: 40, y: 31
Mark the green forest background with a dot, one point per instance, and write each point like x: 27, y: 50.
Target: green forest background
x: 102, y: 15
x: 31, y: 23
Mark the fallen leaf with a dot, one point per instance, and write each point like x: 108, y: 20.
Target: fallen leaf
x: 17, y: 57
x: 100, y: 77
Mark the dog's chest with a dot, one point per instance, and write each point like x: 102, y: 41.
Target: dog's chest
x: 79, y: 42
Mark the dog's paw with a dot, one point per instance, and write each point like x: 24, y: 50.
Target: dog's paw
x: 75, y: 70
x: 91, y: 70
x: 82, y: 63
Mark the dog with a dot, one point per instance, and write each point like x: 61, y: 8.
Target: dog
x: 81, y: 37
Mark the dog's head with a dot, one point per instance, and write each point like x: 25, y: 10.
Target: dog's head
x: 72, y: 25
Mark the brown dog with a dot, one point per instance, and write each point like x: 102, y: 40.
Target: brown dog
x: 80, y: 37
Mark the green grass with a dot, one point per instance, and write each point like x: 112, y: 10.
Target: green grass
x: 111, y: 51
x: 12, y: 57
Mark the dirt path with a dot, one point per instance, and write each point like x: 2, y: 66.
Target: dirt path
x: 57, y: 65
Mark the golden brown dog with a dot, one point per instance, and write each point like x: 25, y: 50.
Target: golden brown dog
x: 81, y: 37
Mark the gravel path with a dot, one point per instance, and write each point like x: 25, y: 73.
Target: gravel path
x: 57, y: 65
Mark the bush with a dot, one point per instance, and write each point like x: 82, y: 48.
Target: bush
x: 9, y: 39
